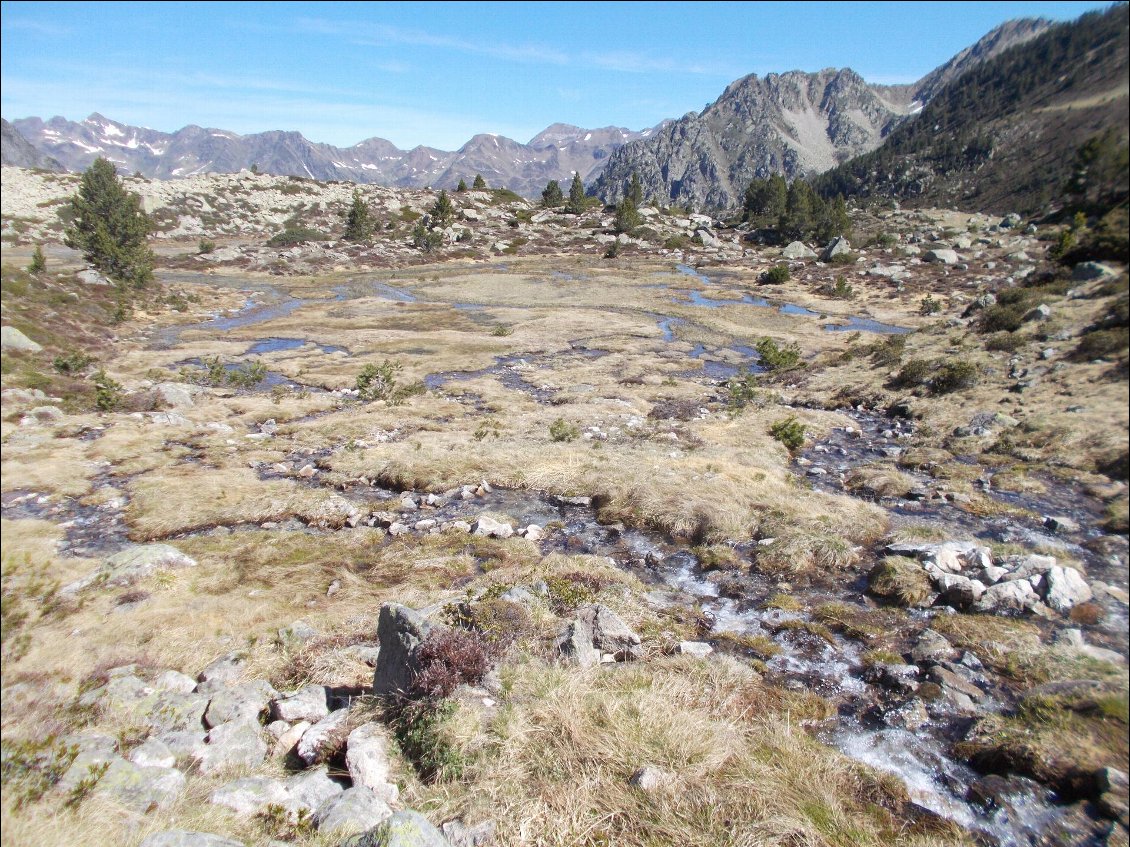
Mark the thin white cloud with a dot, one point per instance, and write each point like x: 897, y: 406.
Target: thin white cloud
x: 37, y: 27
x: 382, y: 35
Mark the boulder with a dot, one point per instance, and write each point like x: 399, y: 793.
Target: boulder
x: 174, y: 681
x: 178, y: 395
x: 140, y: 789
x: 188, y: 838
x: 245, y: 701
x: 1060, y: 525
x: 296, y: 634
x: 248, y: 795
x: 610, y: 634
x: 1090, y: 271
x: 12, y: 339
x: 461, y: 835
x: 310, y: 790
x: 319, y: 743
x: 942, y: 257
x: 836, y: 247
x: 94, y: 751
x: 797, y: 250
x: 308, y: 703
x: 153, y: 753
x: 575, y: 642
x: 401, y: 631
x: 1040, y: 313
x: 1012, y: 597
x: 237, y: 744
x: 355, y: 811
x: 92, y: 277
x: 187, y: 746
x: 491, y: 528
x: 140, y: 560
x: 367, y: 760
x: 288, y: 740
x: 931, y: 646
x: 1065, y: 588
x: 172, y: 711
x: 405, y: 828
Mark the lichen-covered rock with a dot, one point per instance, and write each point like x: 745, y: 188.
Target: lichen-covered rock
x: 308, y: 703
x: 176, y: 712
x: 226, y: 670
x: 251, y: 794
x: 153, y: 753
x: 1066, y: 588
x: 405, y: 828
x: 575, y: 642
x: 244, y: 701
x: 140, y: 789
x: 237, y: 744
x: 324, y: 738
x: 355, y: 811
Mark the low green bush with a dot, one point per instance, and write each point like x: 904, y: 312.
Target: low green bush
x: 790, y: 432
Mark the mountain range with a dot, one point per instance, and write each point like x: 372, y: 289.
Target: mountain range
x: 554, y: 153
x: 1010, y: 109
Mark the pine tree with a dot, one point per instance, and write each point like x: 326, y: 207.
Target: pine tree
x: 38, y: 261
x: 109, y: 227
x: 480, y: 184
x: 765, y: 201
x: 359, y: 223
x: 462, y: 186
x: 635, y: 190
x: 552, y: 195
x: 443, y: 211
x: 798, y: 219
x: 576, y: 204
x: 627, y: 216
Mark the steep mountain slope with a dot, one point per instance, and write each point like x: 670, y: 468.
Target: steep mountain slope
x: 1003, y: 136
x: 18, y: 151
x: 554, y: 153
x: 794, y: 124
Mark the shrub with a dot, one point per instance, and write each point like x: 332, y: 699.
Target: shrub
x: 912, y: 374
x: 295, y: 235
x: 568, y: 591
x: 953, y: 375
x: 206, y: 246
x: 1103, y: 344
x: 502, y: 330
x: 426, y: 239
x: 462, y: 186
x: 448, y: 659
x: 72, y: 362
x: 888, y: 353
x: 32, y: 768
x: 842, y: 290
x: 776, y: 358
x: 1003, y: 317
x: 790, y: 432
x: 841, y: 259
x: 107, y: 392
x: 419, y: 728
x: 562, y: 430
x: 929, y: 306
x: 675, y: 242
x: 247, y: 375
x: 378, y: 382
x: 776, y: 275
x: 741, y: 390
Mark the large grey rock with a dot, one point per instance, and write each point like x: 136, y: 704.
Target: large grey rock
x: 836, y: 247
x: 89, y: 276
x: 355, y: 811
x: 186, y: 745
x: 575, y: 643
x: 931, y: 646
x: 174, y: 681
x: 1013, y: 597
x: 178, y: 395
x: 251, y: 794
x: 797, y: 250
x: 12, y: 339
x: 153, y: 753
x: 1088, y: 271
x: 121, y: 693
x: 461, y: 835
x: 238, y: 744
x: 405, y: 828
x: 140, y: 789
x: 311, y: 789
x: 141, y: 560
x: 288, y: 739
x: 308, y: 703
x: 400, y: 631
x: 226, y: 670
x: 244, y: 701
x: 943, y: 257
x: 176, y: 712
x: 94, y: 751
x: 324, y: 738
x: 367, y: 760
x: 491, y: 528
x: 609, y: 632
x: 187, y: 838
x: 1066, y: 588
x: 296, y: 634
x: 698, y: 649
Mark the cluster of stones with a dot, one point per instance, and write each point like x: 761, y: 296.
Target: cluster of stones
x: 966, y: 576
x: 214, y: 725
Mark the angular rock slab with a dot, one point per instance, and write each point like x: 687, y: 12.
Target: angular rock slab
x: 401, y: 631
x: 367, y: 760
x: 355, y: 811
x: 404, y: 829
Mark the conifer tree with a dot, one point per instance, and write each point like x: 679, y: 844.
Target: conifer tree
x: 552, y: 195
x: 627, y: 216
x: 38, y: 261
x: 480, y: 184
x: 635, y: 190
x: 576, y: 204
x: 109, y: 227
x: 443, y: 211
x: 359, y: 223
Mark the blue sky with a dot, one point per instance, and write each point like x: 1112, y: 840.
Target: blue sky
x: 438, y: 73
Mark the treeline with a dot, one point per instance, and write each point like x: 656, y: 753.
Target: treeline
x: 794, y: 211
x: 950, y: 133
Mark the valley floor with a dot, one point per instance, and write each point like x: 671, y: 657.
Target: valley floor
x: 837, y: 561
